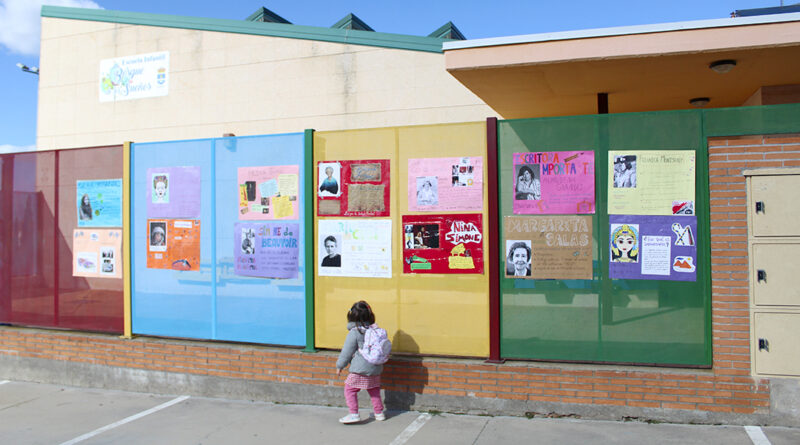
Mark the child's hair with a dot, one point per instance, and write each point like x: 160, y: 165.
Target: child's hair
x: 361, y: 314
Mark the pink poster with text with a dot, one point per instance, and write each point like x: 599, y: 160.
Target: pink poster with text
x: 445, y: 184
x: 553, y: 183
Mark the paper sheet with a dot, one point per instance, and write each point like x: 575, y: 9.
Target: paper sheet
x: 653, y: 247
x: 446, y: 244
x: 354, y: 248
x: 173, y: 192
x: 353, y: 188
x: 173, y: 244
x: 97, y: 253
x: 99, y: 203
x: 544, y: 247
x: 268, y: 250
x: 445, y: 184
x: 553, y: 182
x: 651, y: 182
x: 269, y: 192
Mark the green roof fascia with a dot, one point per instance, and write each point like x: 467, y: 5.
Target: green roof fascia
x: 347, y: 36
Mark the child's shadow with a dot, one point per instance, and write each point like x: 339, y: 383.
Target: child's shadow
x: 404, y: 375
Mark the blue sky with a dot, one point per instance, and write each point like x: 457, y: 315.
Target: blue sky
x: 19, y: 28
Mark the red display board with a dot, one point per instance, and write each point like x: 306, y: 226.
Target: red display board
x: 353, y: 188
x: 451, y: 244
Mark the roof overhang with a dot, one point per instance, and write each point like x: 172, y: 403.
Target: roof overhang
x: 641, y: 68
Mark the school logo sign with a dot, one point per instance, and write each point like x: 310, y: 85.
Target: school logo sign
x: 134, y: 77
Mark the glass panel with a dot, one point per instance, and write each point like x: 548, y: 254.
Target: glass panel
x: 85, y: 303
x: 255, y: 309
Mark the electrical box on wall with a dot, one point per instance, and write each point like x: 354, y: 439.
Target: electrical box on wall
x: 774, y: 246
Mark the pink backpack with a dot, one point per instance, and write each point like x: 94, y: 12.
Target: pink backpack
x: 376, y: 346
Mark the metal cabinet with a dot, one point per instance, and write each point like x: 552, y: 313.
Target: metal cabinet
x: 773, y: 213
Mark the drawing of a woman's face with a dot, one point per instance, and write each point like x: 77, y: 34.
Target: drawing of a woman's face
x: 329, y: 171
x: 625, y: 243
x: 161, y: 189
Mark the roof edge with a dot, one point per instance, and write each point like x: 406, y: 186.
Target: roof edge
x: 347, y: 36
x: 622, y: 30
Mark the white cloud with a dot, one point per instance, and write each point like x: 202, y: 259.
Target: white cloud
x: 20, y: 22
x: 6, y: 148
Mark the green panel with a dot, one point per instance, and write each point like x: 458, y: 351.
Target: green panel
x: 633, y: 321
x: 739, y: 121
x: 349, y: 36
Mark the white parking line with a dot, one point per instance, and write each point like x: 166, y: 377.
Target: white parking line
x: 756, y: 435
x: 125, y: 420
x: 411, y: 429
x: 3, y: 382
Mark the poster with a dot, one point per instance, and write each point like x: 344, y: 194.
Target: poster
x: 553, y: 182
x: 443, y: 244
x: 268, y: 192
x: 651, y: 182
x: 648, y: 247
x: 544, y: 247
x: 445, y: 184
x: 97, y: 253
x: 269, y: 250
x: 173, y: 192
x: 354, y: 248
x: 99, y: 203
x: 353, y: 188
x: 173, y: 244
x: 134, y: 77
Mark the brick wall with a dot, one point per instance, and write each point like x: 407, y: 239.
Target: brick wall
x: 727, y: 388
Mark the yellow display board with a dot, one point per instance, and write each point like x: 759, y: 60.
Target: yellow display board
x: 443, y: 314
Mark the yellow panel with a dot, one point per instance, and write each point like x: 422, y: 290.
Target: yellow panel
x: 425, y: 314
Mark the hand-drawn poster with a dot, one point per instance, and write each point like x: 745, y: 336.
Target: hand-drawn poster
x: 268, y: 192
x: 543, y: 247
x: 443, y: 244
x: 355, y: 248
x: 445, y: 184
x: 269, y: 250
x: 647, y: 247
x: 99, y: 203
x: 97, y: 253
x: 173, y: 192
x: 651, y: 182
x: 353, y: 188
x: 173, y: 244
x: 553, y: 182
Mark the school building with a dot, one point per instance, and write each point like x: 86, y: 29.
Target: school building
x: 122, y: 239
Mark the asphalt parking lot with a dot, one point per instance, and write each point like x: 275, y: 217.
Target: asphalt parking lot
x: 33, y: 413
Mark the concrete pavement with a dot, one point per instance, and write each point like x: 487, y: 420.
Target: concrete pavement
x: 32, y: 413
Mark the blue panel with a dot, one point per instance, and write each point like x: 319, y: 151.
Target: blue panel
x: 258, y: 310
x: 167, y: 302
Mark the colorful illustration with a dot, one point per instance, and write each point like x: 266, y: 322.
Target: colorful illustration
x: 553, y: 182
x: 173, y: 192
x: 653, y: 247
x: 99, y: 203
x: 548, y: 247
x: 443, y: 244
x: 134, y: 77
x: 269, y: 192
x: 96, y: 253
x: 657, y: 182
x: 269, y: 250
x: 625, y: 243
x: 173, y: 244
x: 353, y: 188
x: 445, y: 184
x: 354, y: 248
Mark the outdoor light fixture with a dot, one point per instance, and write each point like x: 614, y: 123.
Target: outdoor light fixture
x: 722, y: 66
x: 699, y: 102
x: 27, y: 69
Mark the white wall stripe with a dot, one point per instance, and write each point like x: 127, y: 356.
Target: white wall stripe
x: 125, y: 420
x: 411, y: 429
x: 757, y: 435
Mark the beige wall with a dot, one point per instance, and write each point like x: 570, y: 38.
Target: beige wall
x: 235, y: 83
